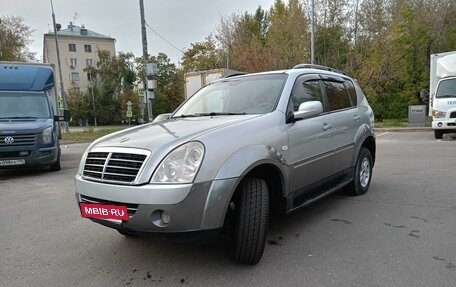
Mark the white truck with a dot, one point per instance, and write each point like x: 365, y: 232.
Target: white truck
x: 442, y: 88
x: 196, y: 80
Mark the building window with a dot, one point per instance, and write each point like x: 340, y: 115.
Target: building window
x: 90, y: 76
x: 72, y: 47
x: 89, y: 62
x: 88, y: 48
x: 75, y: 76
x: 73, y: 62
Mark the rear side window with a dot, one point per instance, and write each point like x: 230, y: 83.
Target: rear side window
x: 351, y: 92
x: 337, y: 95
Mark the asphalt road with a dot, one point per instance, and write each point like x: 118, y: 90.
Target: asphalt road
x: 401, y: 233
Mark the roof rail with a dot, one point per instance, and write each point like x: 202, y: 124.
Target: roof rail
x: 319, y: 67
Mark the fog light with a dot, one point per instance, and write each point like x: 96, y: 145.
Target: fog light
x: 165, y: 217
x: 160, y: 218
x: 439, y: 125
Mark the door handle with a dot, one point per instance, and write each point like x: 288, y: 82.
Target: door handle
x: 356, y: 117
x: 326, y: 127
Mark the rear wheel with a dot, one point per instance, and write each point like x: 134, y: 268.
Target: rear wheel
x: 438, y: 134
x: 251, y: 221
x: 363, y: 173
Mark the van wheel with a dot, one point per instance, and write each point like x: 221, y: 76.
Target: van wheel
x: 363, y: 174
x: 438, y: 134
x: 251, y: 221
x: 56, y: 166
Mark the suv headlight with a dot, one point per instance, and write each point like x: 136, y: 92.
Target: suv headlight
x: 181, y: 165
x: 47, y: 135
x: 438, y: 114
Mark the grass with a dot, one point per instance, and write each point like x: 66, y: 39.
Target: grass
x: 397, y: 123
x: 87, y: 135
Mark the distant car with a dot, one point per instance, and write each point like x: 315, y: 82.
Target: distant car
x: 238, y: 150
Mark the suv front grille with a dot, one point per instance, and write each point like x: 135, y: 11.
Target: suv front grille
x: 19, y: 140
x: 113, y: 167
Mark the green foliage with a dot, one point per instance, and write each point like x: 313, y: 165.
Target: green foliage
x: 14, y: 39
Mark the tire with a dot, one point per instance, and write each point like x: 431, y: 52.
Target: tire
x: 363, y: 173
x: 251, y: 221
x: 438, y: 134
x: 56, y: 166
x: 126, y: 233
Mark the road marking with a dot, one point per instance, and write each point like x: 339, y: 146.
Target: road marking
x: 382, y: 134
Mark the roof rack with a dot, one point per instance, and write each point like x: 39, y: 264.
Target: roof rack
x: 319, y: 67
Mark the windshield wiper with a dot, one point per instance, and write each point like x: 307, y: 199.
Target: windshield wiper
x: 185, y: 116
x: 14, y: 118
x: 220, y: 114
x: 446, y: 96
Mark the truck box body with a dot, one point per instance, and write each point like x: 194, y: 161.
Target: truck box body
x: 29, y: 129
x: 196, y: 80
x: 442, y: 90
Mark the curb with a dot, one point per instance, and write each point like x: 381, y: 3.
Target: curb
x: 406, y: 129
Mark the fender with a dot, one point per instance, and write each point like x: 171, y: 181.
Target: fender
x: 229, y: 176
x: 364, y: 132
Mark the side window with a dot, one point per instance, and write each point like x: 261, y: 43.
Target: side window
x: 306, y: 91
x: 337, y: 95
x: 351, y: 92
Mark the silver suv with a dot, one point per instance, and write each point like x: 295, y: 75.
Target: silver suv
x: 238, y: 150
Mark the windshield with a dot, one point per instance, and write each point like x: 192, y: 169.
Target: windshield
x: 256, y: 94
x: 446, y: 88
x: 24, y: 105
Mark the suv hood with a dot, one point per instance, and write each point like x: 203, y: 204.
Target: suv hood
x: 171, y: 132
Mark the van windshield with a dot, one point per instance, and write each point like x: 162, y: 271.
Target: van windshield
x: 446, y: 89
x: 24, y: 105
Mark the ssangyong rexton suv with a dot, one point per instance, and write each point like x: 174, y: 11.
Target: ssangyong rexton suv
x: 238, y: 150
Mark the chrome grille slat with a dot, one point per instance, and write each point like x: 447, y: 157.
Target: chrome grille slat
x: 19, y: 140
x: 113, y: 167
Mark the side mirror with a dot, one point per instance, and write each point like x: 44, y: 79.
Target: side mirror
x: 308, y: 109
x: 161, y: 117
x: 424, y: 95
x: 66, y: 116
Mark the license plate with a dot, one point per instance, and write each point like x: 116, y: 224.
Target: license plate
x: 104, y: 211
x: 8, y: 162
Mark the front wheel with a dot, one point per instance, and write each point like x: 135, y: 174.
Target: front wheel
x: 56, y: 166
x: 251, y: 221
x: 363, y: 173
x: 438, y: 134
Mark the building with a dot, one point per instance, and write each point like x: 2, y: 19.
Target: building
x: 78, y: 49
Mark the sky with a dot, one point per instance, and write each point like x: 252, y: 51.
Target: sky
x: 180, y: 22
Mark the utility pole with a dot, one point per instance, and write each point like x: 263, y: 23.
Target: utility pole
x: 145, y: 56
x: 312, y: 34
x: 60, y: 67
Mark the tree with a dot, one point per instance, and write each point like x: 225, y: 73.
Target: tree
x: 202, y: 56
x: 14, y: 38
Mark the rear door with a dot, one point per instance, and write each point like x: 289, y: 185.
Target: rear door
x: 341, y: 97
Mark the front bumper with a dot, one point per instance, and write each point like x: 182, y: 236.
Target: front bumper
x: 36, y: 157
x: 444, y: 124
x: 191, y: 207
